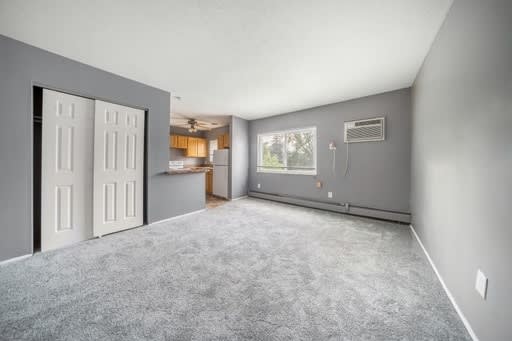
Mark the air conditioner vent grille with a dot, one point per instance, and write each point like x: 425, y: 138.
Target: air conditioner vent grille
x: 365, y: 130
x: 367, y: 123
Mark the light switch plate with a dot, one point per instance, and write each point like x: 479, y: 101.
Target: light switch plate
x: 329, y: 194
x: 259, y: 185
x: 481, y: 284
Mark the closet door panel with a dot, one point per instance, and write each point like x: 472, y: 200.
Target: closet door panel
x: 118, y: 167
x: 66, y: 169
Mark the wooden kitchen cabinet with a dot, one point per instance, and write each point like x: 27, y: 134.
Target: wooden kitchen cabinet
x: 220, y: 142
x: 209, y: 181
x: 192, y: 147
x: 223, y: 141
x: 202, y: 148
x: 178, y: 141
x: 197, y: 147
x: 173, y: 141
x: 182, y: 142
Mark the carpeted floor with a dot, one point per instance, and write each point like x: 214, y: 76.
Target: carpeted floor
x: 249, y: 269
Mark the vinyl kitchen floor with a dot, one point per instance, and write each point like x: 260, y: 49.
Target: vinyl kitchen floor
x: 213, y: 201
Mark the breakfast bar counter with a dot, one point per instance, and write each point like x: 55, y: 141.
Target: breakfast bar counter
x: 188, y: 170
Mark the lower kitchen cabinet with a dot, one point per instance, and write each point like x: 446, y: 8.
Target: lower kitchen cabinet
x: 209, y: 181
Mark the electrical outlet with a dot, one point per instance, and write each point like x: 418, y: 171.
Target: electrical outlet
x: 329, y: 194
x: 481, y: 284
x: 319, y: 184
x: 259, y: 185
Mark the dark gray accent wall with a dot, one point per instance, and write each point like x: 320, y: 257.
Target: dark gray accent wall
x: 462, y: 160
x: 379, y: 174
x: 21, y: 67
x: 239, y: 143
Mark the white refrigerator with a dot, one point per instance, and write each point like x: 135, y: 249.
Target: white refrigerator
x: 221, y: 172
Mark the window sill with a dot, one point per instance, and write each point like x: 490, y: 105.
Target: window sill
x: 282, y: 172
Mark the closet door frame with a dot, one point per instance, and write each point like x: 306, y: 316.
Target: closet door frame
x: 35, y: 191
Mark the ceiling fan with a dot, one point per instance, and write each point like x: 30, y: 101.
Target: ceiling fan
x: 191, y: 124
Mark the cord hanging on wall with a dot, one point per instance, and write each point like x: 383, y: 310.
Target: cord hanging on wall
x: 332, y: 147
x: 346, y: 162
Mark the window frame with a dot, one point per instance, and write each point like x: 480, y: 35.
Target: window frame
x: 210, y: 155
x: 259, y: 152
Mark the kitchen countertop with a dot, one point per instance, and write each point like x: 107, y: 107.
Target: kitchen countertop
x: 190, y: 170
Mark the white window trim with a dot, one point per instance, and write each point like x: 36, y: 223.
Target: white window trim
x: 210, y: 155
x: 285, y: 171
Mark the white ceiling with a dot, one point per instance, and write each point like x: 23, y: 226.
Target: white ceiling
x: 251, y: 58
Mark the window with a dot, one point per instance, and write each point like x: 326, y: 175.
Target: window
x: 212, y: 146
x: 288, y: 152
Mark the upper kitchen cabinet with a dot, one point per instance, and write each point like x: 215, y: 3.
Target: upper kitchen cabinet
x: 223, y: 141
x: 173, y: 141
x: 202, y: 148
x: 178, y: 141
x: 192, y: 147
x: 197, y: 147
x: 182, y: 142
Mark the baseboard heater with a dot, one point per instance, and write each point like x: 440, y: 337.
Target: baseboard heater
x: 335, y: 207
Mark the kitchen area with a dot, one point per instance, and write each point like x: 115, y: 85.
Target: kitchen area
x: 199, y: 149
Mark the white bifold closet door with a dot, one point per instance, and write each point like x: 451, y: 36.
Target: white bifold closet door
x: 92, y: 169
x: 118, y: 168
x: 67, y: 166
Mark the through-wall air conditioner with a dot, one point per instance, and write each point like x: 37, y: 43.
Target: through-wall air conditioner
x: 368, y: 130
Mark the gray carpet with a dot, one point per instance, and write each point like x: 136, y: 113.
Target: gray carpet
x: 250, y: 269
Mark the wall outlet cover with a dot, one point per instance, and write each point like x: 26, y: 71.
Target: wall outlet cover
x: 329, y: 194
x: 259, y: 185
x: 481, y: 284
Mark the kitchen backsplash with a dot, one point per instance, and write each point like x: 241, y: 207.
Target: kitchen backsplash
x: 177, y: 155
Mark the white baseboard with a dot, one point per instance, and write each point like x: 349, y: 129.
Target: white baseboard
x: 15, y: 259
x: 177, y: 217
x: 448, y: 293
x: 242, y: 197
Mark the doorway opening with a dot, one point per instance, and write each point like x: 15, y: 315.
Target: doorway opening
x: 37, y: 121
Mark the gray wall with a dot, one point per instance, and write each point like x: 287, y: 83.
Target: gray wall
x: 239, y: 143
x: 179, y: 154
x: 216, y: 132
x: 379, y: 175
x: 462, y: 159
x: 21, y: 66
x: 188, y: 194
